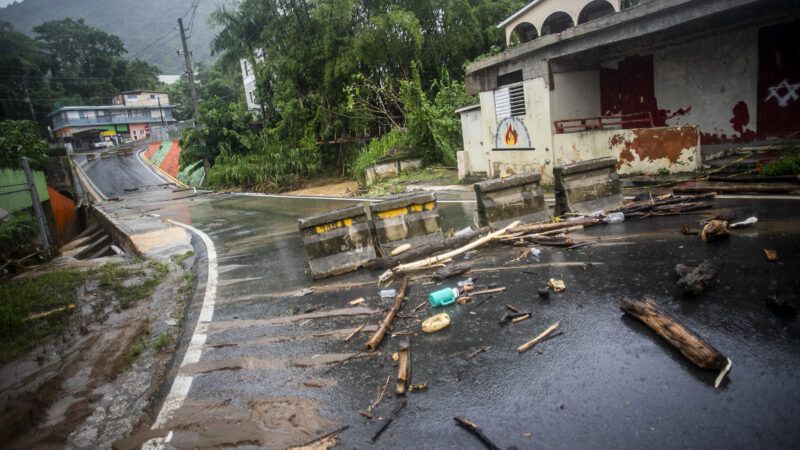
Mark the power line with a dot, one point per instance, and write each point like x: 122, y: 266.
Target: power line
x: 142, y: 50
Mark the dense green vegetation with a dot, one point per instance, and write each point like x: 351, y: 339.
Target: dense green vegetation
x: 67, y: 62
x: 373, y: 74
x: 787, y: 164
x: 20, y: 138
x: 137, y: 22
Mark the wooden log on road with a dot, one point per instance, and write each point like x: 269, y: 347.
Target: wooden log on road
x: 375, y: 340
x: 734, y: 188
x: 542, y: 227
x: 476, y: 431
x: 692, y: 346
x: 755, y: 179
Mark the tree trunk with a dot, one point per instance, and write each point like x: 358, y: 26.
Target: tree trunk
x: 375, y: 340
x: 692, y: 346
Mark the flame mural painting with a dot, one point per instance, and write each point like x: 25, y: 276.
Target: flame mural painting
x: 512, y: 135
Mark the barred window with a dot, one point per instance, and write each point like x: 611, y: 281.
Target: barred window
x: 509, y: 101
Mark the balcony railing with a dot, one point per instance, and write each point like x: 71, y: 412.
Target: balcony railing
x: 109, y: 120
x: 635, y: 120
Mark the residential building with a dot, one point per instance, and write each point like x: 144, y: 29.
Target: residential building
x: 84, y: 125
x: 648, y: 84
x: 249, y: 80
x: 141, y: 98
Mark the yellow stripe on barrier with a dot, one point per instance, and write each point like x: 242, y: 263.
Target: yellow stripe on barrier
x: 403, y: 211
x: 333, y: 225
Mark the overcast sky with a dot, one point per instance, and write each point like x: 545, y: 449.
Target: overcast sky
x: 5, y: 2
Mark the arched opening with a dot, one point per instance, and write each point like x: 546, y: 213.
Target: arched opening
x: 556, y: 23
x: 524, y: 32
x: 595, y: 10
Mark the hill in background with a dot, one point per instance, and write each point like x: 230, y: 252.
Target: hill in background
x: 137, y: 22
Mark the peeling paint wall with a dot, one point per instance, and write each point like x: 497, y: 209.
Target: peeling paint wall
x: 711, y: 83
x: 639, y: 150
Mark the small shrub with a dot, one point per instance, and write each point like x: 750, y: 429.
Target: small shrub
x: 787, y: 164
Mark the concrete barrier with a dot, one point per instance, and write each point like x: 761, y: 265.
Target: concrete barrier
x: 338, y: 241
x: 587, y: 186
x: 518, y: 197
x: 105, y: 155
x: 407, y: 219
x: 90, y: 156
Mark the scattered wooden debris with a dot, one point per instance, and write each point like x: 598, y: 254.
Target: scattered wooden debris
x: 772, y: 255
x: 521, y: 318
x: 381, y: 393
x: 692, y: 346
x: 403, y: 368
x: 477, y: 352
x: 342, y: 362
x: 438, y: 258
x: 450, y: 271
x: 714, y: 229
x: 325, y: 436
x: 42, y: 315
x: 400, y: 249
x: 694, y: 280
x: 355, y: 332
x: 487, y: 291
x: 357, y: 301
x: 401, y: 403
x: 418, y: 387
x: 538, y: 338
x: 425, y: 250
x: 514, y: 317
x: 731, y: 188
x: 545, y: 227
x: 375, y: 340
x: 473, y: 428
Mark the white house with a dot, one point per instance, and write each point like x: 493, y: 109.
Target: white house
x: 647, y: 84
x: 249, y: 80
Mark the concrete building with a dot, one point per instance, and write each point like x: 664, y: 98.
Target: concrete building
x: 141, y: 98
x: 647, y: 84
x: 82, y: 126
x: 249, y: 80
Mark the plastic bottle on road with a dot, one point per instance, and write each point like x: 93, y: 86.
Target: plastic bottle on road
x: 443, y: 297
x: 615, y: 217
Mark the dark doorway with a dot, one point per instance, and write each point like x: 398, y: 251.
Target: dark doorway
x: 778, y: 80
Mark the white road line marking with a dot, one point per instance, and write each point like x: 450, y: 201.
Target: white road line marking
x: 180, y: 387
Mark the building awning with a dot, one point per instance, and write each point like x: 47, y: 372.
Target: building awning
x: 468, y: 108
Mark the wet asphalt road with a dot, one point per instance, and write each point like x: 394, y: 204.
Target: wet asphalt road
x: 607, y: 381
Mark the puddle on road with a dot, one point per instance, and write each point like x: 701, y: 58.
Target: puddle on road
x: 248, y: 323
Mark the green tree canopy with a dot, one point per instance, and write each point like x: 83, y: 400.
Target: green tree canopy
x: 20, y: 138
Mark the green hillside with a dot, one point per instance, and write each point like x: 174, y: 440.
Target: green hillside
x: 137, y: 22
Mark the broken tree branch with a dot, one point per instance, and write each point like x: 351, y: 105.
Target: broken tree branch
x: 375, y: 340
x: 692, y: 346
x: 538, y: 338
x: 401, y: 403
x: 473, y: 428
x: 403, y: 368
x: 435, y: 259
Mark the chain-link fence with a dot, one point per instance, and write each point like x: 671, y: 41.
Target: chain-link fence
x: 23, y: 226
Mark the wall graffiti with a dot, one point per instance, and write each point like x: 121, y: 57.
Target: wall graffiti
x: 512, y: 134
x: 783, y: 93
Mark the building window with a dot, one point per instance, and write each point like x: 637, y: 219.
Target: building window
x: 509, y: 101
x: 152, y: 96
x: 252, y: 97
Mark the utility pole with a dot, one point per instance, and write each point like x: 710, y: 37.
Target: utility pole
x: 29, y: 102
x: 190, y: 75
x: 189, y: 72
